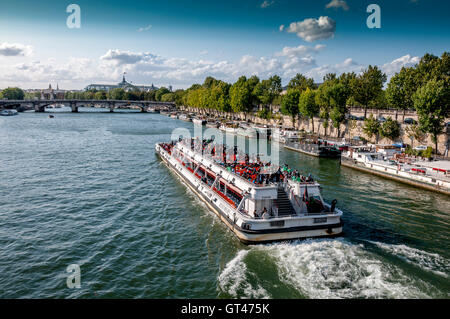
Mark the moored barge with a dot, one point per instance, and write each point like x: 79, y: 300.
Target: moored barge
x: 259, y: 202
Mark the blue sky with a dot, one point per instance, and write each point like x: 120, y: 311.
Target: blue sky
x: 174, y: 42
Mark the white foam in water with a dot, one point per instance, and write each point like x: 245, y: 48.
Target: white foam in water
x: 325, y: 269
x: 234, y: 279
x: 339, y: 269
x: 422, y: 259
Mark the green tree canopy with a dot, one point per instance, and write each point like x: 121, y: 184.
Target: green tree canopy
x: 116, y: 94
x: 371, y: 127
x: 308, y: 106
x: 240, y: 96
x: 12, y: 94
x: 301, y: 83
x: 290, y: 102
x: 160, y: 92
x: 338, y: 94
x: 432, y: 105
x: 390, y: 129
x: 369, y: 86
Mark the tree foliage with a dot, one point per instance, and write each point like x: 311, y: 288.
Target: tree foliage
x: 432, y: 105
x: 12, y: 94
x: 368, y: 86
x: 308, y: 106
x: 390, y: 129
x: 301, y: 83
x: 290, y: 102
x: 371, y: 127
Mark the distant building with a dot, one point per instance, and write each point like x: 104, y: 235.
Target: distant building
x: 126, y: 86
x: 51, y: 94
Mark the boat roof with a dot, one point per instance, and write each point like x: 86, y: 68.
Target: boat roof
x: 445, y: 165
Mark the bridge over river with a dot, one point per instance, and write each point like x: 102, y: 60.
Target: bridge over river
x: 40, y: 105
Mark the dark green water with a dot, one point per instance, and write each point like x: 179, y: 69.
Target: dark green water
x: 88, y: 189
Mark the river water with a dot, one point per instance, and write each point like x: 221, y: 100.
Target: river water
x: 88, y: 189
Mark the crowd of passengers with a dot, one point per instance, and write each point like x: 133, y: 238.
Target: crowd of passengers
x: 252, y: 169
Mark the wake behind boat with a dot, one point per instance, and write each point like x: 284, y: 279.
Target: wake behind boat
x: 257, y: 201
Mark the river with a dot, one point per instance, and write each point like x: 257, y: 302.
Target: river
x: 88, y: 189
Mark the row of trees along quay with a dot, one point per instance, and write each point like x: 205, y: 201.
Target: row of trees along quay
x: 423, y: 87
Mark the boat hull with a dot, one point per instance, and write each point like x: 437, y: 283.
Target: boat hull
x: 259, y: 236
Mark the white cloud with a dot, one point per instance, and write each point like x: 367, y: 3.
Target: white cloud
x: 313, y: 29
x: 266, y: 4
x: 126, y: 57
x: 15, y: 49
x: 145, y: 28
x: 396, y: 65
x: 281, y: 28
x: 337, y: 4
x: 301, y: 50
x: 148, y: 68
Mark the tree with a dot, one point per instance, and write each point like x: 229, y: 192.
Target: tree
x: 160, y: 92
x: 368, y: 86
x: 414, y: 132
x: 323, y: 100
x: 100, y: 95
x: 168, y: 97
x: 240, y: 96
x: 352, y: 124
x: 13, y: 94
x: 400, y: 89
x: 338, y: 94
x: 116, y: 94
x: 267, y: 90
x: 371, y: 127
x: 432, y: 105
x: 149, y: 95
x: 390, y: 129
x: 209, y: 82
x: 301, y: 83
x: 308, y: 106
x: 290, y: 102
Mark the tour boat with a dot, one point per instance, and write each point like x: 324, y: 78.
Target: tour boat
x: 9, y: 113
x: 263, y: 131
x: 213, y: 124
x: 285, y: 135
x: 199, y: 121
x: 257, y: 201
x: 247, y: 131
x: 184, y: 117
x: 230, y: 128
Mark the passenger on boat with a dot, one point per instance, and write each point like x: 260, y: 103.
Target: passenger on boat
x: 265, y: 215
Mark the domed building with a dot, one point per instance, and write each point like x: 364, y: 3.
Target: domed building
x: 126, y: 86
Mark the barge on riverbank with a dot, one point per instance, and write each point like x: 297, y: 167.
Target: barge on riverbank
x: 256, y: 201
x: 317, y: 150
x: 419, y: 174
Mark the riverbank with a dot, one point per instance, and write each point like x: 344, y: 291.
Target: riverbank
x: 345, y: 131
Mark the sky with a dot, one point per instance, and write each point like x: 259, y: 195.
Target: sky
x: 180, y: 42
